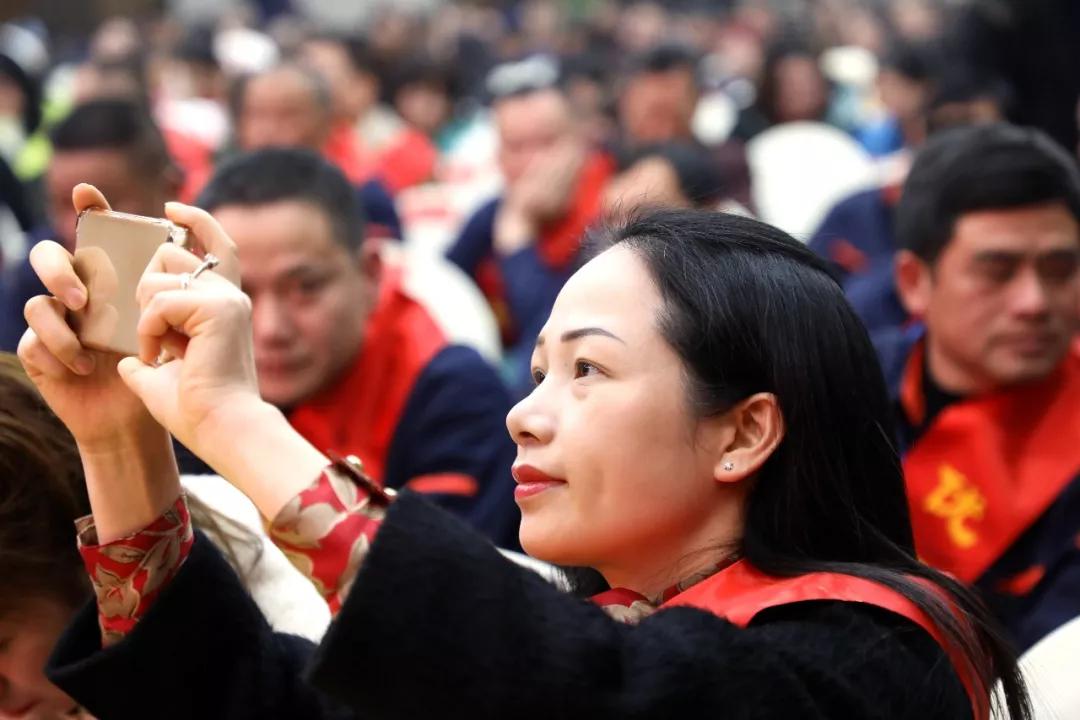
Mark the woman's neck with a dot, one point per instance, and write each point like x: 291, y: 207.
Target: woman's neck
x: 655, y: 583
x: 652, y: 570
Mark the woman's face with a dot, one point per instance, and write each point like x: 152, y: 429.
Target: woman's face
x: 27, y: 636
x: 614, y: 471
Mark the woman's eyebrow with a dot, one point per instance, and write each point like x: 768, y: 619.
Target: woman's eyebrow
x: 571, y: 335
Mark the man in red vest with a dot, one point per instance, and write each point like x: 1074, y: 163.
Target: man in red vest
x: 987, y: 382
x: 358, y: 366
x: 521, y: 246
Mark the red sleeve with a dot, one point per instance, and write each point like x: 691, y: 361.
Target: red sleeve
x: 326, y: 531
x: 128, y: 574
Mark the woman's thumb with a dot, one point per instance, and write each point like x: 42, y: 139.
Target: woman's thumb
x: 135, y: 374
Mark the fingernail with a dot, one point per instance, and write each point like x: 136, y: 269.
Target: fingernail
x: 75, y: 298
x: 84, y: 364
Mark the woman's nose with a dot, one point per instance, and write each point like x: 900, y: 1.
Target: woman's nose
x: 529, y: 422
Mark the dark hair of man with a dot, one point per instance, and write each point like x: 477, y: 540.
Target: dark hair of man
x: 115, y: 124
x: 274, y: 175
x: 748, y: 309
x: 986, y: 167
x: 423, y: 70
x: 959, y: 84
x: 918, y: 62
x: 665, y: 58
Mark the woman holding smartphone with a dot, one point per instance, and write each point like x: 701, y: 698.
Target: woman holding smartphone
x: 709, y: 431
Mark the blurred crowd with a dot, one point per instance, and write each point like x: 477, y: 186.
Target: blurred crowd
x: 410, y: 186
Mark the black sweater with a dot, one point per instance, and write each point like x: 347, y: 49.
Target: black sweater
x: 438, y: 624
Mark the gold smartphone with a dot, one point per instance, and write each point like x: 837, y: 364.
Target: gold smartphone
x: 112, y: 250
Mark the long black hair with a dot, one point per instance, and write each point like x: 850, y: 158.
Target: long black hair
x: 751, y: 310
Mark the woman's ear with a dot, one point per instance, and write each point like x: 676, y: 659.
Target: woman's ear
x: 754, y: 428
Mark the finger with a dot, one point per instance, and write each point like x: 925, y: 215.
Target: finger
x: 210, y: 235
x: 55, y: 266
x: 45, y: 316
x: 85, y: 196
x: 171, y: 311
x: 137, y: 375
x: 171, y: 258
x: 152, y: 283
x: 37, y: 359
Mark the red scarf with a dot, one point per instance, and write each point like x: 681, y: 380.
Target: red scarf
x: 358, y: 414
x: 559, y: 241
x: 739, y: 592
x: 989, y: 467
x: 345, y: 150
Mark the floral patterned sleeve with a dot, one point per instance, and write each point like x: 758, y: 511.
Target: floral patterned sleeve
x: 128, y: 574
x: 326, y: 530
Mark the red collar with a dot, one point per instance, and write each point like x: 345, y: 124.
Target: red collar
x: 559, y: 241
x: 989, y: 466
x: 358, y: 414
x: 741, y: 592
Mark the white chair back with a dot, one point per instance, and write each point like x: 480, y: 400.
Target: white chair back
x: 800, y: 170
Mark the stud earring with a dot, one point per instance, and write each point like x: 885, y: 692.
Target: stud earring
x: 729, y: 466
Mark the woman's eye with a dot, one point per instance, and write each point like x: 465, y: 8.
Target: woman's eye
x: 537, y: 376
x: 584, y: 368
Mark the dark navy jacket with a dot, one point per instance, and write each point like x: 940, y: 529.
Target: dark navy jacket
x: 857, y: 233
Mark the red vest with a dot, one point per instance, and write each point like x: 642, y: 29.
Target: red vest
x: 989, y: 467
x: 359, y: 414
x: 738, y: 593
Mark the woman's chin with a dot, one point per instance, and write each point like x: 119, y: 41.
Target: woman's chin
x: 551, y: 544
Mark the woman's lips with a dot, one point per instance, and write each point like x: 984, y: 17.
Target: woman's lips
x: 532, y: 481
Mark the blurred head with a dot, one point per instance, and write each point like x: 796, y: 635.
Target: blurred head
x: 673, y: 175
x: 311, y: 277
x: 530, y: 124
x: 288, y: 106
x: 906, y: 80
x: 41, y: 494
x: 423, y: 94
x: 988, y: 226
x: 673, y: 407
x: 659, y: 99
x: 114, y: 145
x: 793, y: 87
x: 348, y: 69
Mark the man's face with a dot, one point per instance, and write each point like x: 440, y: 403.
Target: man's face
x: 1002, y: 301
x: 658, y: 107
x: 280, y: 108
x: 354, y: 92
x: 310, y: 296
x: 529, y: 126
x: 111, y: 171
